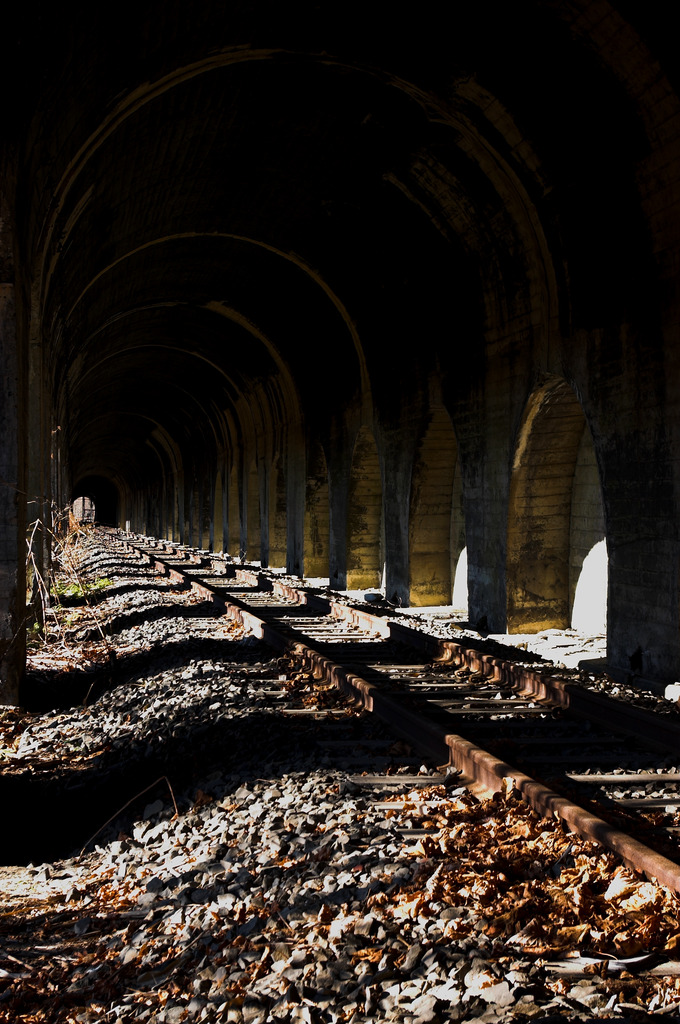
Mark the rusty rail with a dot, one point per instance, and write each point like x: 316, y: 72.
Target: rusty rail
x: 480, y: 770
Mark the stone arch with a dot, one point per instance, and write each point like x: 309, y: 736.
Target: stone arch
x: 555, y: 513
x: 317, y: 515
x: 253, y: 526
x: 431, y: 521
x: 278, y: 515
x: 364, y: 516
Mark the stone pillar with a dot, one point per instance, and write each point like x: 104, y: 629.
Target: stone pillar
x: 398, y: 453
x: 296, y: 478
x: 263, y: 478
x: 12, y: 507
x: 339, y: 457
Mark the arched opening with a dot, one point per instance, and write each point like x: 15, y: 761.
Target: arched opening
x: 589, y: 613
x: 234, y: 515
x: 588, y: 547
x: 459, y: 565
x: 104, y: 495
x: 459, y: 598
x: 277, y: 516
x: 317, y: 524
x: 555, y: 519
x: 364, y: 516
x: 218, y: 514
x: 431, y: 523
x: 83, y: 510
x: 253, y: 515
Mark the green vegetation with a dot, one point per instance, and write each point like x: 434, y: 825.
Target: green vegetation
x: 78, y: 589
x: 34, y: 636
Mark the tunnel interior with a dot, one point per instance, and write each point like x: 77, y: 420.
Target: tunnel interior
x: 103, y: 495
x: 393, y: 309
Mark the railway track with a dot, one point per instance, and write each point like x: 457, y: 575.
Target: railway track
x: 609, y: 771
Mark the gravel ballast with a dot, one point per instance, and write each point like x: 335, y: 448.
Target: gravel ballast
x: 260, y: 879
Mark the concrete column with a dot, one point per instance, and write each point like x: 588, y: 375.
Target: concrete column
x: 484, y: 450
x: 212, y: 526
x: 339, y: 462
x: 12, y: 506
x: 233, y: 544
x: 263, y: 479
x: 178, y: 508
x: 205, y: 503
x: 219, y: 531
x: 398, y: 455
x: 396, y: 543
x: 161, y: 510
x: 185, y: 494
x: 295, y: 502
x: 643, y: 635
x: 278, y: 514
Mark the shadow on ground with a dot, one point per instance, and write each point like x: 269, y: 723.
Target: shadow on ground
x: 52, y: 812
x: 143, y: 616
x: 96, y: 597
x: 46, y: 690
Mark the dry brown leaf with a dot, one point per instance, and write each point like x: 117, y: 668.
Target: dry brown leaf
x: 645, y: 896
x: 672, y: 944
x: 201, y: 799
x: 506, y: 923
x: 571, y: 935
x: 623, y: 884
x: 425, y: 847
x: 373, y: 955
x: 628, y: 943
x: 409, y: 909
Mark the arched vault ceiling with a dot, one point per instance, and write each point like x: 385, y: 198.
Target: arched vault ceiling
x: 152, y: 377
x: 234, y: 215
x: 209, y: 279
x: 284, y: 154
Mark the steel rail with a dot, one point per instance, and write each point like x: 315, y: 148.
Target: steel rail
x: 482, y: 771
